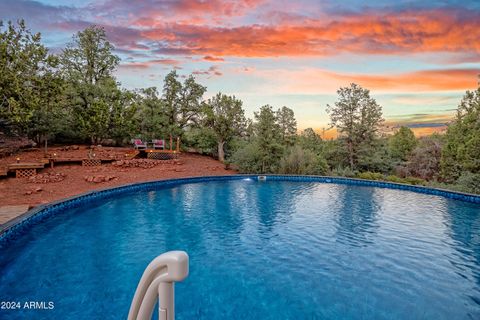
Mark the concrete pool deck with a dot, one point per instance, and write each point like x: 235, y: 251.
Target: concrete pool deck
x: 7, y: 213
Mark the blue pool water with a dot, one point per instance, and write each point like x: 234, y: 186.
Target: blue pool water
x: 258, y: 250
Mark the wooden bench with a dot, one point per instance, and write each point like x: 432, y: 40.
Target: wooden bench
x: 25, y: 169
x: 3, y: 171
x: 64, y: 160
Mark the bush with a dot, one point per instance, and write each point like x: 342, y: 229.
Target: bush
x: 415, y: 181
x: 424, y: 161
x: 300, y: 161
x: 407, y: 180
x: 469, y: 182
x: 370, y: 175
x: 375, y: 157
x: 378, y: 176
x: 247, y: 158
x: 392, y: 178
x: 202, y: 140
x: 343, y: 172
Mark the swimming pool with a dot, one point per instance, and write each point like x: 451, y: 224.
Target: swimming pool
x: 284, y: 248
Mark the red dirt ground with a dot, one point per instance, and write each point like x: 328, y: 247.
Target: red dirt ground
x: 15, y: 191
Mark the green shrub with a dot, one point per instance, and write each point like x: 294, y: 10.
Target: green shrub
x: 370, y: 175
x: 415, y: 181
x: 202, y: 140
x: 396, y: 179
x: 247, y: 158
x: 392, y: 178
x: 300, y: 161
x: 469, y: 182
x: 343, y: 172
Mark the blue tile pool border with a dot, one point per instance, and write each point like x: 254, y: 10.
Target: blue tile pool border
x: 18, y: 226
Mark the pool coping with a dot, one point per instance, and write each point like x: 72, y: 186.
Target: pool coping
x: 15, y: 227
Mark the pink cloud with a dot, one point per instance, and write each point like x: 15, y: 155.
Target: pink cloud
x: 210, y: 58
x: 149, y: 63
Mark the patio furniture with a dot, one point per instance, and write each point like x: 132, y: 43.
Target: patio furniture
x: 139, y: 144
x: 25, y: 169
x: 158, y: 144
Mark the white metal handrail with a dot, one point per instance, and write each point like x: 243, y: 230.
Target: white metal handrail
x: 157, y: 283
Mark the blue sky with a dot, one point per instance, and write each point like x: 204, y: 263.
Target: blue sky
x: 417, y: 58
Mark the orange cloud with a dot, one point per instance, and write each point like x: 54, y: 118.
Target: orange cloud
x: 425, y: 80
x: 372, y: 33
x: 315, y: 81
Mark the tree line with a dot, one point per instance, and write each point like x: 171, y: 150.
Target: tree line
x: 73, y: 97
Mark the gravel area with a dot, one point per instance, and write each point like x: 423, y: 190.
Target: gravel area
x: 71, y: 179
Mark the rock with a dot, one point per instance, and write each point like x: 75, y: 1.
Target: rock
x: 38, y: 189
x: 98, y: 179
x: 47, y: 178
x: 138, y: 163
x: 28, y: 193
x: 75, y: 147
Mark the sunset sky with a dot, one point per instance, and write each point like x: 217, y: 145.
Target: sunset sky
x: 416, y: 57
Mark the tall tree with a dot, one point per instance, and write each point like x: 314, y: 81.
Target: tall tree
x: 357, y: 117
x: 152, y: 115
x: 88, y: 63
x: 183, y: 101
x: 89, y: 58
x: 29, y: 85
x: 227, y: 119
x: 310, y: 140
x: 123, y: 123
x: 48, y: 118
x: 269, y: 138
x: 288, y: 124
x: 462, y: 147
x: 402, y: 143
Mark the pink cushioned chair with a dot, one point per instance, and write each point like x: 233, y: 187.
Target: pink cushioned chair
x: 138, y: 144
x: 158, y: 144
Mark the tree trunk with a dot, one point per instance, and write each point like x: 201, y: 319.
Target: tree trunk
x: 221, y: 152
x: 350, y: 153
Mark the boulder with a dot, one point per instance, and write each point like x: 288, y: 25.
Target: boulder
x: 47, y: 177
x: 98, y: 179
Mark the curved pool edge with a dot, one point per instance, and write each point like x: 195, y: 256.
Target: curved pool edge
x: 17, y: 226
